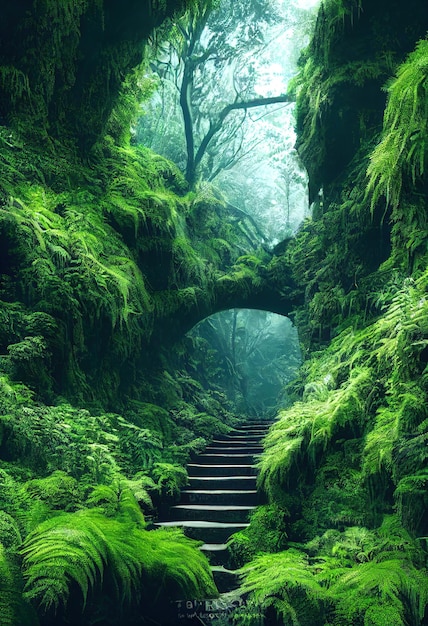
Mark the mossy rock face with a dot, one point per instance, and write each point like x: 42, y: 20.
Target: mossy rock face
x: 355, y: 49
x: 63, y: 64
x: 341, y: 106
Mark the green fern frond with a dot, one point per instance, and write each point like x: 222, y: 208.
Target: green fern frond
x: 380, y: 442
x: 304, y: 431
x: 66, y: 548
x: 274, y: 579
x: 170, y: 478
x: 179, y: 566
x: 121, y: 497
x: 402, y: 151
x: 92, y: 550
x: 383, y: 583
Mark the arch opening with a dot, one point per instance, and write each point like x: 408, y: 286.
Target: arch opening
x: 250, y: 356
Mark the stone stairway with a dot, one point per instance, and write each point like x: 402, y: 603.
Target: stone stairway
x: 220, y: 496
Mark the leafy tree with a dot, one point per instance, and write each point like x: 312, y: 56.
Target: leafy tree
x: 208, y: 68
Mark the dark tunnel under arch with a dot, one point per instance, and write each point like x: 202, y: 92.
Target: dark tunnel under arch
x: 250, y: 354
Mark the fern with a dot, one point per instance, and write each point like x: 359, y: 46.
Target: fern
x: 357, y: 576
x: 59, y: 491
x: 13, y: 610
x: 278, y: 581
x: 121, y: 497
x: 92, y: 550
x: 402, y: 151
x: 10, y: 535
x: 381, y: 585
x: 178, y: 566
x: 306, y: 429
x: 380, y: 442
x: 170, y: 478
x: 66, y: 548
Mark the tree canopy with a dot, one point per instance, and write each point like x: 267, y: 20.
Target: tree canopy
x: 210, y: 66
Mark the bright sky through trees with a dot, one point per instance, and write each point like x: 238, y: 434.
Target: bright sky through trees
x: 306, y: 4
x: 206, y: 73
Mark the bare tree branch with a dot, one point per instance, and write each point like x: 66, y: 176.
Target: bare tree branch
x: 194, y: 160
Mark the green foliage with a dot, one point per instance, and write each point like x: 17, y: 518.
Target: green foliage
x: 362, y: 425
x: 373, y: 389
x: 77, y: 547
x: 75, y: 444
x: 95, y: 253
x: 304, y: 432
x: 170, y: 478
x: 89, y: 261
x: 9, y: 497
x: 355, y: 577
x: 377, y: 589
x: 91, y: 550
x: 10, y: 536
x: 348, y: 59
x: 74, y: 265
x: 43, y: 91
x: 140, y: 447
x: 59, y: 491
x: 267, y: 533
x: 123, y: 496
x: 177, y: 562
x: 401, y: 154
x: 353, y: 450
x: 28, y: 356
x: 150, y: 416
x: 282, y: 581
x: 13, y: 610
x: 338, y: 497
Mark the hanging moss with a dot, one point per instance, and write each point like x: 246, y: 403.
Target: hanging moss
x: 402, y: 149
x: 62, y: 80
x: 355, y: 49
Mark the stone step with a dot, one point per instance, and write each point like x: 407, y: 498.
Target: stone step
x: 216, y: 552
x: 220, y: 496
x: 208, y: 532
x: 243, y: 437
x: 236, y: 443
x: 210, y: 512
x: 251, y: 436
x: 233, y: 449
x: 217, y: 496
x: 222, y: 482
x: 224, y: 470
x: 255, y: 424
x: 218, y: 458
x: 249, y: 432
x: 226, y: 580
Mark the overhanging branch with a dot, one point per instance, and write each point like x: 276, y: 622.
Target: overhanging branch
x: 215, y: 126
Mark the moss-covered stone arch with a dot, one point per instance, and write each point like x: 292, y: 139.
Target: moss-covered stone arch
x: 251, y: 284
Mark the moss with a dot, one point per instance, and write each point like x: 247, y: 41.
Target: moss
x: 63, y: 80
x: 355, y: 49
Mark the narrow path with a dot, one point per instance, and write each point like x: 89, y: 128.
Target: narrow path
x: 220, y: 496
